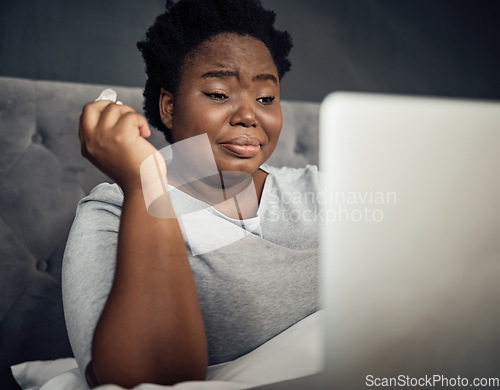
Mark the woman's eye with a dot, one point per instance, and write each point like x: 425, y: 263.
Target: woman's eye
x: 266, y: 99
x: 216, y: 95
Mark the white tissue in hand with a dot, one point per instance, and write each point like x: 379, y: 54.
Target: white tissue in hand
x: 108, y: 94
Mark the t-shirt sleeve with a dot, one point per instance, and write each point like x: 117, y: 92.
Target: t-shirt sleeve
x: 89, y: 266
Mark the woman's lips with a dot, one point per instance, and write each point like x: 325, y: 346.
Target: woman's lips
x: 242, y: 146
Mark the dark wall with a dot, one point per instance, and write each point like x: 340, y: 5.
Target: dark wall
x: 445, y: 47
x: 84, y: 41
x: 436, y: 47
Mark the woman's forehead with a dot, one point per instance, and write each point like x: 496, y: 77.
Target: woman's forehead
x: 233, y: 52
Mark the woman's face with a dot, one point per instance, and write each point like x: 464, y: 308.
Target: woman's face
x: 229, y: 89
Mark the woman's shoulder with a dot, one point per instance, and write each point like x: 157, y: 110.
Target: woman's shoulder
x: 105, y: 193
x: 103, y: 201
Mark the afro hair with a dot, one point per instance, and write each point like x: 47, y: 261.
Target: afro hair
x: 185, y: 25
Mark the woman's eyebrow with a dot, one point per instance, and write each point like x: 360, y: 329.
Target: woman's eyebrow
x: 219, y: 73
x: 266, y: 76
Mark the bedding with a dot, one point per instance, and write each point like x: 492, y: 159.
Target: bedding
x: 293, y: 353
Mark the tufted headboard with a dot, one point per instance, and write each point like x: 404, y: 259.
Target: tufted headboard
x: 43, y: 176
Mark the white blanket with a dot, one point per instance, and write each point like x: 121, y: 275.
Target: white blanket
x: 294, y: 353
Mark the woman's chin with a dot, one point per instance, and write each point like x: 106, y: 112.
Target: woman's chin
x: 239, y: 164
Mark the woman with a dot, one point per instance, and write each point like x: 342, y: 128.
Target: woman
x: 143, y: 302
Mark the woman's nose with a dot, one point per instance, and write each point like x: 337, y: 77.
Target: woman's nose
x: 244, y: 114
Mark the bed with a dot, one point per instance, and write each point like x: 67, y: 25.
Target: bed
x: 43, y: 176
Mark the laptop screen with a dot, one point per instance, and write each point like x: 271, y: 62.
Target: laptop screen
x: 410, y: 244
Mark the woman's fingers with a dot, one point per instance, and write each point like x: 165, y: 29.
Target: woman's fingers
x: 89, y: 118
x: 91, y: 113
x: 104, y: 120
x: 131, y: 119
x: 111, y: 114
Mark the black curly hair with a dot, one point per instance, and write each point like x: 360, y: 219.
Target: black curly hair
x: 185, y: 25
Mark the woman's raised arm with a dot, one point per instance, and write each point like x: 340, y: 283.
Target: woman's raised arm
x: 151, y: 328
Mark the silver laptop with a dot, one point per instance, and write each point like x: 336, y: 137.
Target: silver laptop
x: 410, y: 245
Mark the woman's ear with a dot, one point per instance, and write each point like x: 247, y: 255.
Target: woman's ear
x: 166, y: 108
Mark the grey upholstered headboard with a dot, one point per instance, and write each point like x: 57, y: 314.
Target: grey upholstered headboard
x: 42, y: 178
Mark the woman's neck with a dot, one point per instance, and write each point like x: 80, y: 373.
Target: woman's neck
x: 234, y: 194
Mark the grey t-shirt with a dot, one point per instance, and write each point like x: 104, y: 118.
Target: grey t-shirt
x: 250, y: 289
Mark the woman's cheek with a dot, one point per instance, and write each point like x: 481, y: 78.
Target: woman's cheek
x: 273, y: 123
x: 214, y: 120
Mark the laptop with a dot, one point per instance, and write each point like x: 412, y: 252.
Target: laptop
x: 410, y: 243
